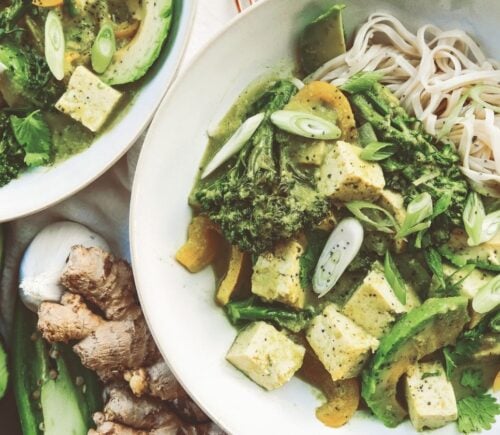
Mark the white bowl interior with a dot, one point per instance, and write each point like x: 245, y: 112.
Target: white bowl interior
x: 40, y: 188
x: 191, y: 331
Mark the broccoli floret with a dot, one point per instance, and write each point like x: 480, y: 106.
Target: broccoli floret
x: 29, y: 80
x: 264, y: 198
x: 422, y: 163
x: 11, y: 152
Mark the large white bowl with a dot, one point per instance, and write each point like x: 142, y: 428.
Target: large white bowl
x: 191, y: 331
x: 41, y: 188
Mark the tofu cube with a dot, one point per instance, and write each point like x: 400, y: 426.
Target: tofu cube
x: 276, y: 275
x: 88, y: 99
x: 430, y: 396
x: 342, y: 346
x: 345, y: 177
x: 394, y: 203
x: 266, y: 355
x: 374, y: 306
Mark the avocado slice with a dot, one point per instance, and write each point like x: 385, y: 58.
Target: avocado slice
x: 484, y: 256
x: 322, y: 40
x: 425, y: 329
x: 132, y: 61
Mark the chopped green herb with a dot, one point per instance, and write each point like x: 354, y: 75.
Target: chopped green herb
x: 476, y: 413
x: 375, y: 216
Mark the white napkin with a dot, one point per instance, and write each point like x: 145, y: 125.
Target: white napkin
x: 104, y: 205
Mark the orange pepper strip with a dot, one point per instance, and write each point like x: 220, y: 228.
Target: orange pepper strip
x: 331, y: 97
x: 342, y: 396
x: 126, y: 30
x: 48, y: 3
x: 201, y: 246
x: 229, y: 283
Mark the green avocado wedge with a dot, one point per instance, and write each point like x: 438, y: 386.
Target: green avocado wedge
x: 132, y: 61
x: 425, y: 329
x: 322, y: 40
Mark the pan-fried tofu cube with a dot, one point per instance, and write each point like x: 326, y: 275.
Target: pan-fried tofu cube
x: 276, y: 275
x: 340, y: 344
x: 394, y: 203
x: 88, y: 99
x: 430, y: 396
x: 346, y: 177
x: 266, y: 355
x: 374, y: 306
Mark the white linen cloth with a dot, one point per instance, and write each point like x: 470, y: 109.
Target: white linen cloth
x: 104, y: 205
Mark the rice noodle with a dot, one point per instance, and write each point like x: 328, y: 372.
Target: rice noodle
x: 441, y: 77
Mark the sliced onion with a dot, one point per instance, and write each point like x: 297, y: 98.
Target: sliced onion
x: 54, y: 44
x: 235, y: 143
x: 340, y: 249
x: 488, y: 297
x: 306, y: 125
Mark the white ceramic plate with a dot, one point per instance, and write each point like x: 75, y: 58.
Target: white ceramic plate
x: 43, y: 187
x: 191, y: 331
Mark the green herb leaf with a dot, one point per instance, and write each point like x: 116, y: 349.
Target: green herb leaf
x: 435, y: 263
x: 375, y: 216
x: 394, y: 278
x: 473, y: 217
x: 449, y: 361
x: 476, y: 413
x: 315, y: 243
x: 361, y: 82
x: 473, y: 379
x: 377, y: 151
x: 34, y: 135
x: 418, y: 213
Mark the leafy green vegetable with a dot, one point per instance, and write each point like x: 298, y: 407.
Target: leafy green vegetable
x: 394, y: 278
x: 377, y: 151
x: 418, y: 156
x: 375, y: 216
x: 418, y: 214
x: 473, y: 379
x: 34, y: 135
x: 250, y: 310
x: 263, y: 198
x: 315, y: 243
x: 476, y: 413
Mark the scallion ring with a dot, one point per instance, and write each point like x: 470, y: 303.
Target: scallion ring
x: 375, y: 216
x: 473, y: 218
x: 488, y: 297
x: 377, y: 151
x: 394, y: 278
x: 418, y: 212
x: 103, y: 49
x: 54, y: 44
x: 305, y: 124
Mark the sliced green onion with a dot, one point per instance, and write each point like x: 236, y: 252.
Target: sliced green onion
x: 361, y: 82
x: 54, y: 44
x: 394, y: 278
x: 374, y: 215
x: 340, y: 249
x: 488, y: 297
x: 417, y: 214
x: 490, y: 227
x: 435, y: 263
x: 475, y: 94
x: 306, y: 125
x: 377, y: 151
x: 366, y: 134
x: 235, y: 143
x: 453, y: 117
x: 104, y: 48
x: 425, y: 178
x: 473, y: 218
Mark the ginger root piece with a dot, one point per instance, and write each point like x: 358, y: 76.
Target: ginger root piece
x: 110, y: 428
x: 69, y: 320
x: 156, y: 380
x: 116, y: 346
x: 102, y: 280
